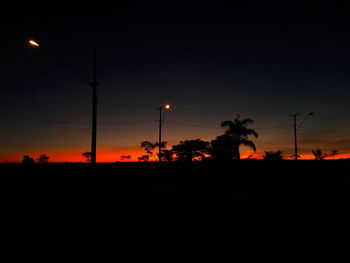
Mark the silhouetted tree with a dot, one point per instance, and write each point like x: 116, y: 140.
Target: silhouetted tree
x: 43, y: 159
x: 27, y: 160
x: 87, y: 156
x: 240, y: 133
x: 190, y: 149
x: 149, y: 147
x: 222, y: 148
x: 167, y: 155
x: 273, y: 155
x: 125, y: 157
x: 143, y: 158
x: 319, y: 155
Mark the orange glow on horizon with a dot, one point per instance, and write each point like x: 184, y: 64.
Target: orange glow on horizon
x: 303, y: 156
x: 129, y: 155
x: 118, y: 155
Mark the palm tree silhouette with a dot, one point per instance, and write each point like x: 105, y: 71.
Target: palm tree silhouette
x: 239, y: 132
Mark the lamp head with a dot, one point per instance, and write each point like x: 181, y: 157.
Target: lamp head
x: 33, y: 43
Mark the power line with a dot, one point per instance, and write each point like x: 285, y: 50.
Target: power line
x: 192, y: 125
x: 220, y: 128
x: 38, y: 119
x: 122, y: 123
x: 327, y: 131
x: 71, y: 122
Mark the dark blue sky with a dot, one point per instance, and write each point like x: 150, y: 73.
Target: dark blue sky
x: 211, y: 62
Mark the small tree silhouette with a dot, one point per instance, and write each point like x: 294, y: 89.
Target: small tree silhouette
x: 273, y: 155
x: 143, y: 158
x: 319, y: 155
x: 149, y: 147
x: 43, y: 159
x: 87, y: 156
x: 27, y: 160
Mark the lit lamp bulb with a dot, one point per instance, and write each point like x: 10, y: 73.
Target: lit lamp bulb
x: 33, y: 43
x: 167, y: 107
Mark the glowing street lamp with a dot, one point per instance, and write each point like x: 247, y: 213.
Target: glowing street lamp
x: 33, y: 43
x: 161, y: 119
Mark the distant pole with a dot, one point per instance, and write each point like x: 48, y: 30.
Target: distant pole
x: 295, y: 136
x: 93, y: 85
x: 160, y: 134
x: 296, y: 128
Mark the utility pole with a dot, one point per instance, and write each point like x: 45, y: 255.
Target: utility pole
x: 161, y: 119
x: 295, y: 135
x: 93, y: 85
x: 296, y: 128
x: 160, y: 135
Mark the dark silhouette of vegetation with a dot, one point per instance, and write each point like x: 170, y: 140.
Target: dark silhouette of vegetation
x: 143, y: 158
x: 239, y: 133
x: 319, y: 155
x: 87, y: 156
x: 273, y: 155
x: 125, y: 157
x: 149, y: 147
x: 27, y: 160
x: 167, y: 155
x: 43, y: 159
x: 222, y: 148
x: 190, y: 149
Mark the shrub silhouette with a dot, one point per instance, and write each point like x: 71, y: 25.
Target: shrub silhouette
x: 319, y: 155
x: 125, y: 157
x: 43, y: 159
x: 273, y: 155
x: 87, y: 156
x: 27, y: 160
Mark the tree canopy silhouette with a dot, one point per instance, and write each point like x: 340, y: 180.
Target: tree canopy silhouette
x: 239, y: 133
x: 222, y: 148
x: 149, y: 148
x: 319, y: 155
x: 190, y: 149
x: 43, y: 159
x: 273, y: 155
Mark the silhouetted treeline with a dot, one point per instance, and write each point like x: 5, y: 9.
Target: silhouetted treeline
x: 223, y: 147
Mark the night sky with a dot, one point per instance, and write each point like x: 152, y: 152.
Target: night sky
x: 210, y: 62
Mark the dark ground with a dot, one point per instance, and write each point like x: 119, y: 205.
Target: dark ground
x: 247, y: 211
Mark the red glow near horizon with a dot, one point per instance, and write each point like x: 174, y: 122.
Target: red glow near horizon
x: 111, y: 156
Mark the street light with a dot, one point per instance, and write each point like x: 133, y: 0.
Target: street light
x: 161, y: 119
x: 296, y: 129
x: 33, y: 43
x: 93, y: 85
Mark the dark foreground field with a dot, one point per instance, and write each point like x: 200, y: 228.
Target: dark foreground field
x: 245, y: 211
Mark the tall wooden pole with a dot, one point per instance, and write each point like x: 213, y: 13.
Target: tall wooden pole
x: 93, y: 84
x: 160, y: 135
